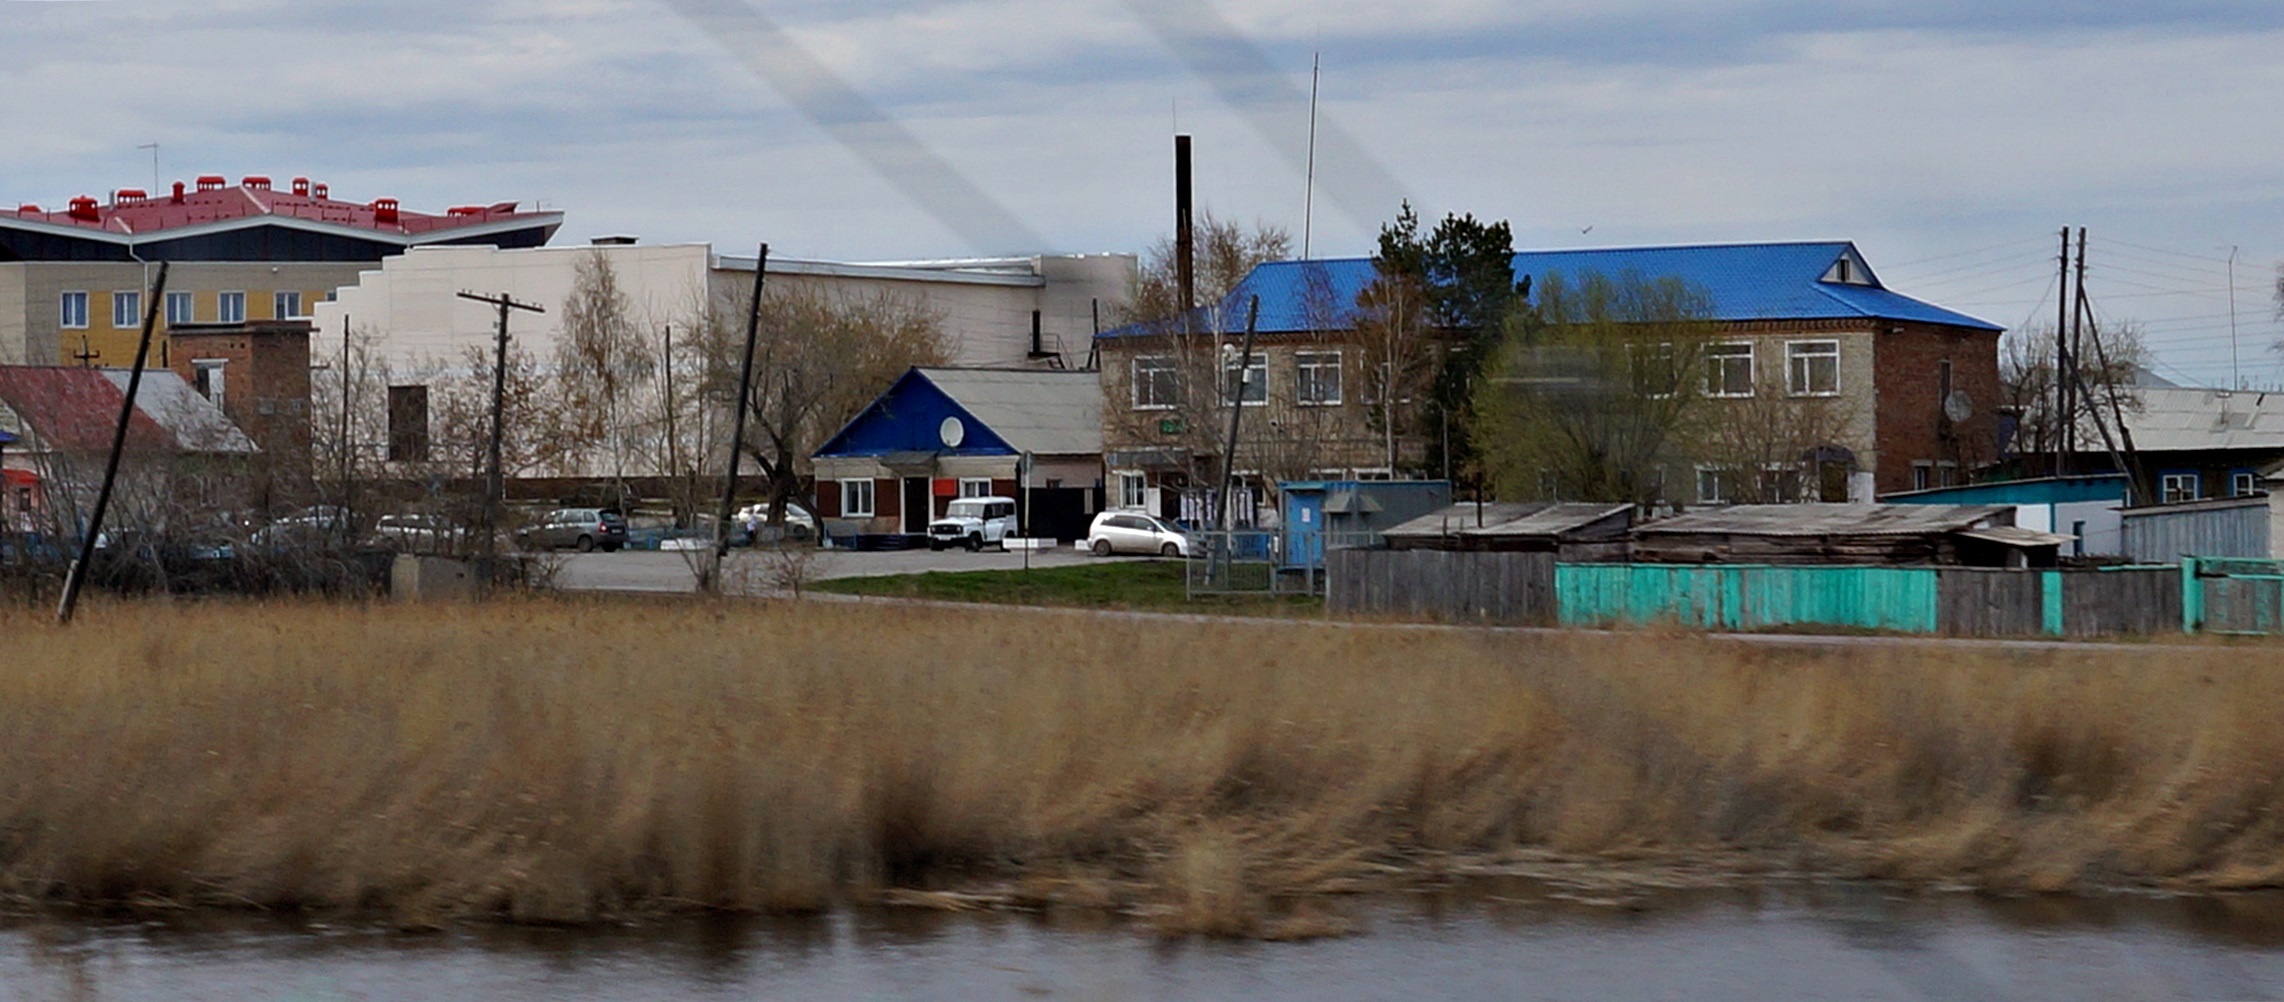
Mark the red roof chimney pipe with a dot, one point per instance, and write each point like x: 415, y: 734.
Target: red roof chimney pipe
x: 212, y: 182
x: 178, y: 193
x: 257, y: 181
x: 125, y: 195
x: 320, y: 190
x: 29, y: 209
x: 384, y: 210
x: 301, y: 186
x: 84, y: 209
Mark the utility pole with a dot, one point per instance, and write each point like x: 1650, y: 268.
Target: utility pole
x: 348, y: 390
x: 2077, y: 378
x: 494, y: 488
x: 1236, y: 411
x: 737, y: 425
x: 2061, y: 359
x: 76, y: 578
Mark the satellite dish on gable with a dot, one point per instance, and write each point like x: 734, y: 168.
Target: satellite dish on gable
x: 1958, y: 406
x: 952, y: 432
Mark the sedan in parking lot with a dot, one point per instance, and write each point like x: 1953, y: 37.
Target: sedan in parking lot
x: 1135, y: 532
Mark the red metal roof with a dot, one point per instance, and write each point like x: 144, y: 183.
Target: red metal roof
x: 77, y: 410
x: 160, y: 211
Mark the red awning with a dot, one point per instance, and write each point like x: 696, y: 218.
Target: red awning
x: 20, y: 478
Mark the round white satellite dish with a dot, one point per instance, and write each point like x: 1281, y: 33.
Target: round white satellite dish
x: 952, y: 432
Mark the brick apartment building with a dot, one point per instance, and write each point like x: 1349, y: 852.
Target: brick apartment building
x: 1913, y: 386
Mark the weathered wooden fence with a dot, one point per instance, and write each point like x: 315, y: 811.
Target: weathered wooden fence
x: 1442, y: 585
x: 2228, y: 595
x: 1531, y: 589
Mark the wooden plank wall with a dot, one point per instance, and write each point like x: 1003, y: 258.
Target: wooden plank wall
x: 1515, y: 589
x: 1984, y: 602
x: 2127, y: 600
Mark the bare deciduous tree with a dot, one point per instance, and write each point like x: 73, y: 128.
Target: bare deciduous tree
x: 603, y: 364
x: 1226, y: 253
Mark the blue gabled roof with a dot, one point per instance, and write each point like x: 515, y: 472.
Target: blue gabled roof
x: 908, y: 418
x: 1774, y: 281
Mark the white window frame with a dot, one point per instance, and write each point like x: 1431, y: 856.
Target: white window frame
x: 975, y: 487
x: 852, y: 488
x: 1922, y: 475
x: 286, y: 305
x: 1311, y: 368
x: 1156, y: 364
x: 71, y: 311
x: 2243, y: 484
x: 2177, y: 488
x: 1716, y: 367
x: 127, y: 309
x: 189, y: 312
x: 1713, y: 475
x: 222, y: 311
x: 1133, y: 487
x: 1255, y: 396
x: 1795, y: 383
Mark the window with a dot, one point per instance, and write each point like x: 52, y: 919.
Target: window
x: 1946, y: 474
x: 285, y: 305
x: 1943, y: 384
x: 208, y: 373
x: 1729, y: 370
x: 1256, y: 386
x: 2243, y: 482
x: 1656, y: 370
x: 975, y: 487
x: 1157, y: 383
x: 1922, y: 475
x: 1317, y: 377
x: 856, y: 498
x: 2174, y: 488
x: 73, y: 307
x: 230, y: 307
x: 1780, y: 484
x: 408, y: 424
x: 1812, y: 368
x: 178, y: 308
x: 1712, y: 485
x: 127, y: 310
x: 1130, y: 486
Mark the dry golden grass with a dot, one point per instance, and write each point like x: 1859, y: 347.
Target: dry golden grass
x: 574, y: 760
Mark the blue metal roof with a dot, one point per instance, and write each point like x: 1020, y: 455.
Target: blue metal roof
x: 1775, y: 281
x: 908, y: 418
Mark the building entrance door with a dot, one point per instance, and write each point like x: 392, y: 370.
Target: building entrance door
x: 919, y: 507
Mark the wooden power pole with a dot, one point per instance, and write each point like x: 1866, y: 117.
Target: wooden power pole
x: 494, y: 487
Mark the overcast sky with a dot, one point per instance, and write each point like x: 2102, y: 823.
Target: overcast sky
x: 1948, y: 138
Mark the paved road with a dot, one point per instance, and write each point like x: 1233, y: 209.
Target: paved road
x: 639, y: 570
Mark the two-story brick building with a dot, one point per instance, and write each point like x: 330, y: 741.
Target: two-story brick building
x: 1911, y: 386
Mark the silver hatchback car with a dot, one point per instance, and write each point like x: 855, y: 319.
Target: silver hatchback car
x: 1135, y: 532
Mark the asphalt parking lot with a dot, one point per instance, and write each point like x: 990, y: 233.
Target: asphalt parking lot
x: 652, y: 571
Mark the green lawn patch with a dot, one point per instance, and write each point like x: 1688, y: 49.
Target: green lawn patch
x: 1155, y: 585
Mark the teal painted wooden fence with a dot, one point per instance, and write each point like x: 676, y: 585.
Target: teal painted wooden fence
x: 1748, y: 596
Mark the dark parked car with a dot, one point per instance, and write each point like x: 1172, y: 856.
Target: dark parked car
x: 581, y: 529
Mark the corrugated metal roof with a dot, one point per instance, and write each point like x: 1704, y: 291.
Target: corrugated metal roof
x: 1045, y: 412
x: 77, y: 410
x: 1827, y: 519
x: 2174, y: 419
x: 1764, y: 281
x: 160, y: 212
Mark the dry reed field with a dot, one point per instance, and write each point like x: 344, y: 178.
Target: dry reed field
x: 571, y: 761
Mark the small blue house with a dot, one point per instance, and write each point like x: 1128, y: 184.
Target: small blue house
x: 939, y: 433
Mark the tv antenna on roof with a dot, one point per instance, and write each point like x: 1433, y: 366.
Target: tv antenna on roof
x: 152, y: 146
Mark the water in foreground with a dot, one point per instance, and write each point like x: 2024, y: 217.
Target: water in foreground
x: 1493, y: 941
